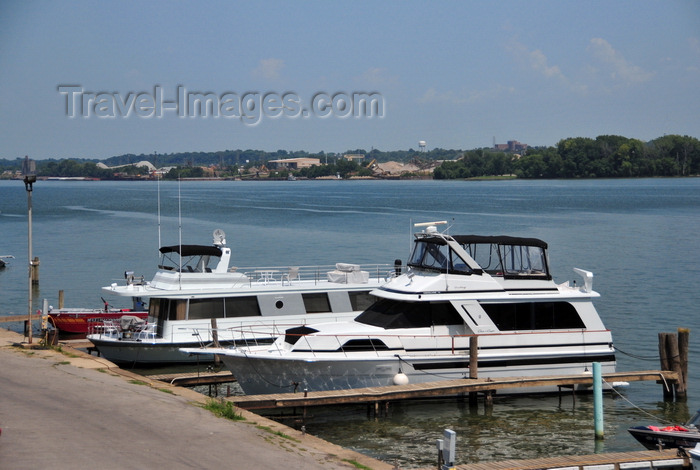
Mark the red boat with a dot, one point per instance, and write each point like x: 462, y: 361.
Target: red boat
x: 83, y: 320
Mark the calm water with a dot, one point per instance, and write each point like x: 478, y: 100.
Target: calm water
x: 639, y: 237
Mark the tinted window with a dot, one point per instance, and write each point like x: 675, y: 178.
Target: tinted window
x: 361, y: 300
x: 534, y: 316
x: 388, y: 314
x: 316, y: 303
x: 242, y: 307
x: 206, y: 308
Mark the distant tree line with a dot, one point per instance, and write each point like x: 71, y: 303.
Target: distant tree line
x: 606, y: 156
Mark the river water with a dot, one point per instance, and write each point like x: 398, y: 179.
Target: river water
x: 638, y: 237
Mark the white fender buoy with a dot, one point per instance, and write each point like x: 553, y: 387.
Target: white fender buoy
x: 400, y: 379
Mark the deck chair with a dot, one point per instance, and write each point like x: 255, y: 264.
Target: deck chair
x: 290, y: 275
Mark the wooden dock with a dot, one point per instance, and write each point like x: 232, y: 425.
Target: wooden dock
x: 436, y: 389
x: 204, y: 378
x: 19, y: 318
x: 667, y: 459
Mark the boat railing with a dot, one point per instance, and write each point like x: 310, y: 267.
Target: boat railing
x: 243, y: 334
x: 112, y: 329
x: 339, y: 272
x: 375, y: 344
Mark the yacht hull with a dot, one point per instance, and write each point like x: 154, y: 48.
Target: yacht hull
x: 269, y: 374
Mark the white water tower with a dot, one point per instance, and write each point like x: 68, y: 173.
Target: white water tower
x: 421, y: 145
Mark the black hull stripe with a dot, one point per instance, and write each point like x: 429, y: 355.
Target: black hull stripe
x: 517, y: 362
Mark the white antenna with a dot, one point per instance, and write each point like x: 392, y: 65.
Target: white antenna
x: 158, y: 180
x: 426, y: 224
x: 179, y: 224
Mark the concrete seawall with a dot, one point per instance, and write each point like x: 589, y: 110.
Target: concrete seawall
x: 71, y: 410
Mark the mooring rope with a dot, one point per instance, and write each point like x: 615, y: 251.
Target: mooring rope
x: 637, y: 407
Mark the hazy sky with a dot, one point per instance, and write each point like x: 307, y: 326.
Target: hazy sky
x: 97, y: 79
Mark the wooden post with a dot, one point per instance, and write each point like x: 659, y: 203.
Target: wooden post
x: 664, y: 363
x: 215, y: 337
x: 60, y: 298
x: 473, y: 366
x: 35, y: 271
x: 674, y: 358
x: 683, y: 342
x: 473, y: 357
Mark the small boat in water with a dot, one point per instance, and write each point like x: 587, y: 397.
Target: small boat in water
x: 196, y: 298
x: 669, y: 437
x: 4, y: 263
x: 84, y: 320
x: 497, y: 289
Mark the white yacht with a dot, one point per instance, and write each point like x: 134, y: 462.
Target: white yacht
x: 192, y: 304
x: 496, y: 288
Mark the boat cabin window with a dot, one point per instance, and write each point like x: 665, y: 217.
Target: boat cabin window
x: 242, y: 307
x: 361, y: 300
x: 534, y: 316
x: 512, y: 261
x: 206, y: 308
x: 389, y: 314
x: 523, y: 260
x: 316, y: 303
x: 371, y: 344
x: 166, y: 309
x: 188, y: 258
x: 436, y: 255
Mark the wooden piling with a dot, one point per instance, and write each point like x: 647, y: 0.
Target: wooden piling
x: 665, y: 364
x: 215, y: 338
x: 60, y: 298
x: 34, y: 267
x: 473, y: 365
x: 683, y: 344
x: 673, y: 356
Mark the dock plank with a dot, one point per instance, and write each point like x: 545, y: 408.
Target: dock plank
x: 204, y: 378
x: 14, y: 318
x: 435, y: 389
x: 581, y: 461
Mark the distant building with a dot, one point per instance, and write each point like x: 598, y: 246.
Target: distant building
x: 354, y: 156
x: 293, y: 163
x: 511, y: 146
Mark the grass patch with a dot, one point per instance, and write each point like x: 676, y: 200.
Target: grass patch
x: 357, y: 464
x: 277, y: 433
x: 138, y: 382
x: 223, y: 409
x: 165, y: 390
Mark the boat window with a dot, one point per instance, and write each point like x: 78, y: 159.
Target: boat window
x: 522, y: 260
x: 389, y: 314
x: 316, y: 303
x: 485, y: 255
x: 370, y: 344
x: 534, y: 316
x: 418, y: 253
x: 206, y: 308
x: 292, y: 335
x: 173, y: 309
x: 361, y: 300
x: 437, y: 256
x: 242, y: 307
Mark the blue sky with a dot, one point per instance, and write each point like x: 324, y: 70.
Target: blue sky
x: 454, y: 74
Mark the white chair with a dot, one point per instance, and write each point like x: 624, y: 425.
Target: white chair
x: 291, y: 275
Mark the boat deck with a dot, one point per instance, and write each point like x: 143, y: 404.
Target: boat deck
x: 436, y: 389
